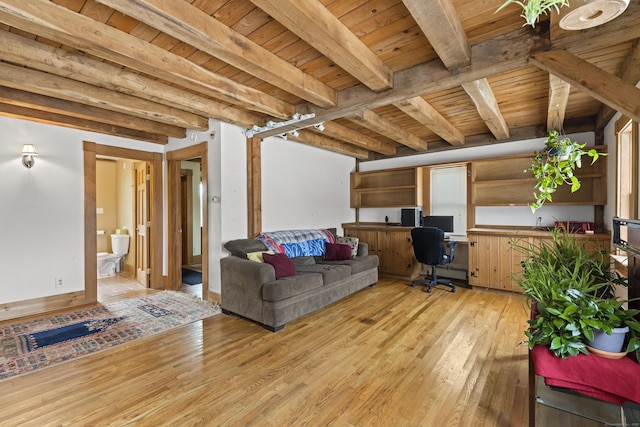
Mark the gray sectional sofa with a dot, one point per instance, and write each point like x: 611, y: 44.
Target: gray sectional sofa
x: 250, y: 289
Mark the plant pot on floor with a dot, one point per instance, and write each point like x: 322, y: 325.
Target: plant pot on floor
x: 611, y: 343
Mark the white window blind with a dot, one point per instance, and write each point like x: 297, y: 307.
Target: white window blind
x: 449, y: 195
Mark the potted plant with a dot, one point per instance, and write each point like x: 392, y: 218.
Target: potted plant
x: 555, y: 165
x: 572, y: 295
x: 532, y: 9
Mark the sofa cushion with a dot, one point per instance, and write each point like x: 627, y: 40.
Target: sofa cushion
x: 241, y: 247
x: 281, y: 264
x: 351, y: 241
x: 330, y: 273
x: 287, y: 287
x: 337, y: 252
x: 357, y: 264
x: 257, y: 256
x: 303, y: 260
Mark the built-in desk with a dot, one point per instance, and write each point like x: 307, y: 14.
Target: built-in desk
x: 495, y: 263
x: 392, y: 244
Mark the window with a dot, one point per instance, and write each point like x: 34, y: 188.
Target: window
x: 626, y: 170
x: 448, y: 191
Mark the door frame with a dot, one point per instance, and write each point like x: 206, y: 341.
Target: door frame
x: 142, y: 245
x: 174, y: 217
x: 91, y: 150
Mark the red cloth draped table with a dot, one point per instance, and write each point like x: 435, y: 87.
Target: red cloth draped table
x: 611, y: 380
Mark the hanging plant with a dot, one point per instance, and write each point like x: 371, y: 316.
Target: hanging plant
x: 532, y: 9
x: 555, y: 165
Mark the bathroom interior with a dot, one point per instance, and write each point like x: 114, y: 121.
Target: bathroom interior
x: 116, y: 224
x: 115, y: 218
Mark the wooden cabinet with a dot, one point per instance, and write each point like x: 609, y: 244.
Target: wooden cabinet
x: 387, y: 188
x: 392, y: 245
x: 503, y: 182
x: 495, y: 263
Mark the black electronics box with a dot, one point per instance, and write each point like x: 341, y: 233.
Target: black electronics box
x: 411, y: 217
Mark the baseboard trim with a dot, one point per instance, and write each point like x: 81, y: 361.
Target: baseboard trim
x: 14, y: 310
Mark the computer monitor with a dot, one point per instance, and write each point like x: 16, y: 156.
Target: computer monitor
x: 443, y: 222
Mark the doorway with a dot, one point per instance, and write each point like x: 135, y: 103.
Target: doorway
x: 187, y: 216
x: 153, y: 232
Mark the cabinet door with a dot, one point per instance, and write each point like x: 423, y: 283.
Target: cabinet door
x: 370, y: 237
x: 478, y: 260
x: 500, y: 263
x: 490, y: 261
x: 396, y: 253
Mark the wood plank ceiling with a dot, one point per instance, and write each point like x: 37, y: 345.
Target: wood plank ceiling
x: 385, y: 77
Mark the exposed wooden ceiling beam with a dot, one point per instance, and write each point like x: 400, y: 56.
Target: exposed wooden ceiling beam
x: 58, y: 23
x: 76, y: 123
x: 439, y: 21
x: 71, y: 90
x: 486, y: 103
x: 88, y: 113
x: 315, y: 140
x: 629, y: 73
x: 313, y: 23
x: 356, y: 138
x: 191, y: 25
x: 490, y: 57
x: 558, y: 98
x: 424, y: 113
x: 384, y: 127
x: 596, y: 82
x: 43, y: 57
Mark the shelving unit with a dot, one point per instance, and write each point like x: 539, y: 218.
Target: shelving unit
x: 387, y: 188
x: 503, y: 182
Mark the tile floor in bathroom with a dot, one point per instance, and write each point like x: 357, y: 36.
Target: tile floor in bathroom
x: 125, y: 285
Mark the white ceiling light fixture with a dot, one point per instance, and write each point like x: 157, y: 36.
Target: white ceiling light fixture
x: 583, y: 14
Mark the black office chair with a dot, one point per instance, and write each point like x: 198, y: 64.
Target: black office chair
x: 429, y: 248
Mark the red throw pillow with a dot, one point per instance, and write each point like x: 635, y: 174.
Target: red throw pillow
x: 337, y: 252
x: 281, y: 264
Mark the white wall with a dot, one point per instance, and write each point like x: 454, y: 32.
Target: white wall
x: 302, y: 187
x: 42, y: 209
x: 486, y: 215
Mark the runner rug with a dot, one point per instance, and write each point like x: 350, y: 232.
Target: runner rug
x: 32, y: 345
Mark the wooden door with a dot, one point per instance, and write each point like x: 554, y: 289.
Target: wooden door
x: 142, y: 223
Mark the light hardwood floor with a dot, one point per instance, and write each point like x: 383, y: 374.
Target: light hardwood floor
x: 391, y: 355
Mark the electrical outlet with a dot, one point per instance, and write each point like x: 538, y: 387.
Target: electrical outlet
x: 58, y: 282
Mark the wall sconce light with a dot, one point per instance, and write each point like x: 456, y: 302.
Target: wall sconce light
x: 28, y: 151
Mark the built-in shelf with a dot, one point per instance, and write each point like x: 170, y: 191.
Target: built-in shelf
x: 506, y: 181
x: 387, y: 188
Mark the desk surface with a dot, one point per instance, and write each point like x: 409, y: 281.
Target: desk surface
x: 458, y: 238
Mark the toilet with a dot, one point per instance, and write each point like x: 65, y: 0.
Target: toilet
x: 109, y: 263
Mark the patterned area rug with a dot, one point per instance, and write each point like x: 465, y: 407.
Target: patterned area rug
x: 25, y: 347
